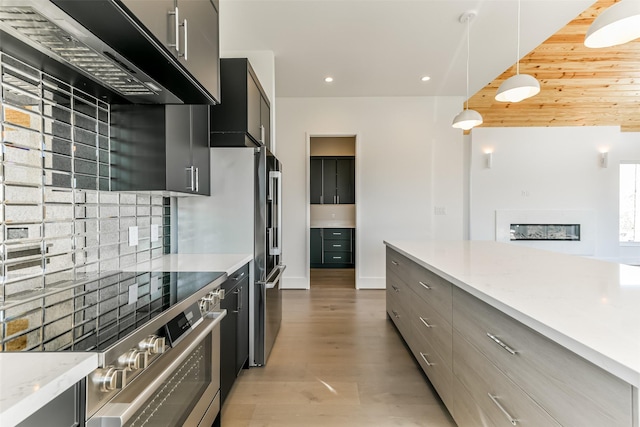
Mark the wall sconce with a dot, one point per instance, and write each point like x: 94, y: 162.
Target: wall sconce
x: 488, y: 160
x: 604, y: 160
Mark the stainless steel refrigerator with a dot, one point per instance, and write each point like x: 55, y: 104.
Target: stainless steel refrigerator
x: 268, y: 267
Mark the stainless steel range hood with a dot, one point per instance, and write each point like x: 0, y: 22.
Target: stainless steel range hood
x: 99, y: 45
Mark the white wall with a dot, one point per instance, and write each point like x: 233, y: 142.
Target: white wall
x: 408, y: 160
x: 536, y: 169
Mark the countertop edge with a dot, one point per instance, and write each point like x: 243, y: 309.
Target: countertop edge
x: 610, y: 365
x: 38, y: 395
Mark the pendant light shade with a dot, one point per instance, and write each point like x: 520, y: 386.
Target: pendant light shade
x: 617, y: 25
x: 467, y: 119
x: 518, y: 87
x: 521, y: 86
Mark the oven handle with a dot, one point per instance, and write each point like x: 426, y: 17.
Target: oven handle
x: 118, y: 411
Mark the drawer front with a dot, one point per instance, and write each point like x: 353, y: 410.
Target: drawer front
x: 496, y: 395
x: 337, y: 245
x: 397, y: 308
x: 399, y: 264
x: 574, y: 391
x: 438, y: 371
x: 337, y: 233
x: 432, y: 288
x: 337, y: 257
x: 466, y: 412
x: 429, y: 326
x: 236, y: 277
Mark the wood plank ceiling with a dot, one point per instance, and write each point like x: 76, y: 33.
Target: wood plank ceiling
x: 579, y: 86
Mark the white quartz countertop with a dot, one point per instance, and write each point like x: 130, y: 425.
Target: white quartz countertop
x: 29, y: 380
x: 332, y: 224
x: 589, y: 306
x: 228, y: 263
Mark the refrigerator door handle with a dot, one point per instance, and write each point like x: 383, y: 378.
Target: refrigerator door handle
x: 275, y: 191
x: 273, y: 282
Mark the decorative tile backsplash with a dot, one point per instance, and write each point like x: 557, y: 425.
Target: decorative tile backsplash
x: 59, y: 223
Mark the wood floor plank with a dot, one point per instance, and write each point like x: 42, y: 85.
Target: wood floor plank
x: 338, y: 361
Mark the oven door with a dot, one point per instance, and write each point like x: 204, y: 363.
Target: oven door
x: 180, y: 389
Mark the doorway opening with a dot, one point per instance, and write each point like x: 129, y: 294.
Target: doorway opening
x: 332, y: 211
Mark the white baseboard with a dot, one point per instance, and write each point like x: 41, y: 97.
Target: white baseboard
x: 294, y: 283
x: 371, y: 283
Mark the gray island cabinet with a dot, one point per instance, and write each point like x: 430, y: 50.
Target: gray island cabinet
x: 507, y: 339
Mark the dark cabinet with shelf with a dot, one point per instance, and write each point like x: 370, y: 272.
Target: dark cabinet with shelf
x: 234, y: 332
x: 332, y: 247
x: 244, y: 116
x: 332, y: 180
x: 162, y: 148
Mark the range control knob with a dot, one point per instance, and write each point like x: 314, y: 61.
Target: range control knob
x: 106, y: 379
x: 133, y: 360
x: 152, y: 344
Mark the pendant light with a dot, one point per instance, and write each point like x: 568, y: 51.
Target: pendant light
x: 467, y: 119
x: 521, y: 86
x: 618, y: 24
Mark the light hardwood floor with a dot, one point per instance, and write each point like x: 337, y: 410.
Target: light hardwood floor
x: 333, y: 278
x: 338, y: 361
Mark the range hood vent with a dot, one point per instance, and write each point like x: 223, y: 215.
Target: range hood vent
x: 101, y: 48
x: 28, y: 24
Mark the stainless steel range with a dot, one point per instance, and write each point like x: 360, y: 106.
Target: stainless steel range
x: 158, y: 346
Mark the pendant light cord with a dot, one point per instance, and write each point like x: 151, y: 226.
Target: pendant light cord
x: 468, y: 50
x: 518, y: 51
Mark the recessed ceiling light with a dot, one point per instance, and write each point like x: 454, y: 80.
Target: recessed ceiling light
x: 425, y: 78
x: 328, y: 79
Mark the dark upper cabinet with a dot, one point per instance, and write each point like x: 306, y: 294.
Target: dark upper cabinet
x: 160, y: 148
x: 243, y: 117
x: 332, y: 180
x: 189, y: 30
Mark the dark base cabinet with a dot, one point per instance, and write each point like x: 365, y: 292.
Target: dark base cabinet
x: 332, y: 248
x: 234, y: 330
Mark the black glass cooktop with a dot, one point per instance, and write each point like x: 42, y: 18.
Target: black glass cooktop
x: 107, y: 310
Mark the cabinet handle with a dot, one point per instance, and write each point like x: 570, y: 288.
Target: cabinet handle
x: 337, y: 257
x: 334, y: 200
x: 394, y: 263
x: 186, y: 41
x: 424, y: 357
x: 238, y: 276
x: 176, y: 25
x: 262, y: 134
x: 494, y: 399
x: 337, y: 234
x: 424, y: 285
x: 395, y: 314
x: 197, y: 179
x: 337, y: 246
x: 501, y: 344
x: 423, y: 320
x: 321, y: 199
x: 238, y: 298
x: 338, y: 196
x: 395, y: 289
x: 191, y: 185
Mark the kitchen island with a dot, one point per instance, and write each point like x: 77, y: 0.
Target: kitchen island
x: 556, y: 332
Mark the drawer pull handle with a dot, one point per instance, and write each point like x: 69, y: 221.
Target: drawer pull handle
x: 395, y: 289
x: 394, y: 263
x: 337, y: 246
x: 337, y: 234
x: 337, y: 257
x: 395, y: 314
x: 235, y: 279
x: 501, y: 344
x: 494, y: 399
x: 425, y: 323
x: 424, y: 357
x: 424, y: 285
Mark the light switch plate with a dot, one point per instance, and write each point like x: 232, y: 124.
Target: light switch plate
x: 155, y: 234
x: 133, y: 236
